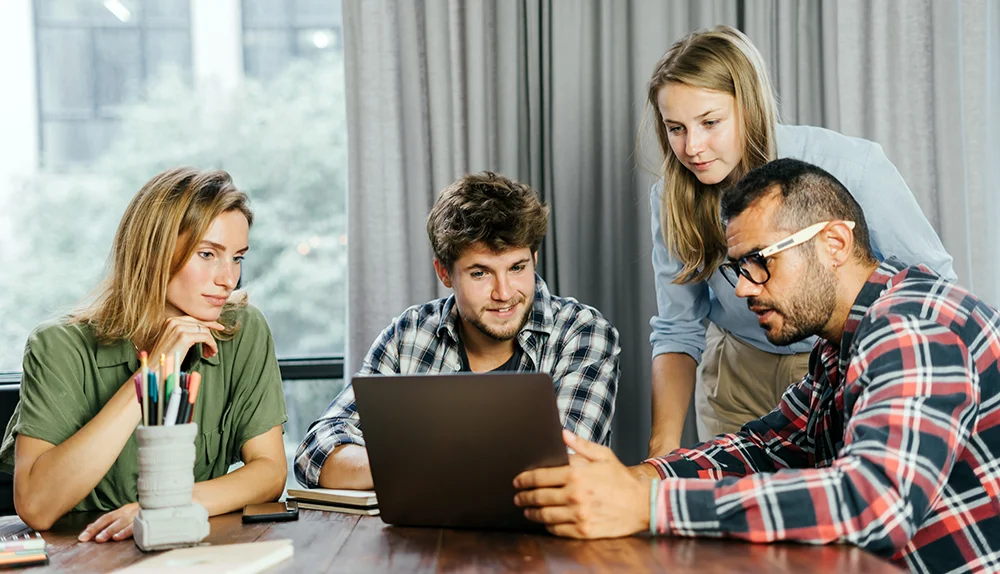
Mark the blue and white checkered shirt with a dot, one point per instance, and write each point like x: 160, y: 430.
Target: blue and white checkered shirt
x: 572, y: 342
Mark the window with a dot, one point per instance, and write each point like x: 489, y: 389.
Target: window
x: 305, y: 400
x: 103, y: 94
x: 278, y: 31
x: 93, y: 57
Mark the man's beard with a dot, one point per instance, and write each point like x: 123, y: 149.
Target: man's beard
x: 505, y: 335
x: 807, y: 311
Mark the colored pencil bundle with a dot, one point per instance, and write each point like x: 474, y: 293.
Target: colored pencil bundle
x: 166, y: 395
x: 23, y: 550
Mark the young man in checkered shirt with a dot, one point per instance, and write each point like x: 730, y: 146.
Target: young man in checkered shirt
x: 485, y: 230
x: 890, y: 442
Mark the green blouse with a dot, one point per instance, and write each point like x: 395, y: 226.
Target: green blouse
x: 68, y: 377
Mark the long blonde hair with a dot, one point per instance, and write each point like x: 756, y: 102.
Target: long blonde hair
x: 173, y: 209
x: 724, y: 60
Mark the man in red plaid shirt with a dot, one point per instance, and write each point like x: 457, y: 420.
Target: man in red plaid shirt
x: 891, y: 442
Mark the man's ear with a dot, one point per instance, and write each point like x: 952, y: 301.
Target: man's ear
x: 838, y: 243
x: 534, y: 258
x: 442, y: 272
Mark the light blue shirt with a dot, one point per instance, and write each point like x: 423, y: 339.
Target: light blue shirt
x: 897, y: 228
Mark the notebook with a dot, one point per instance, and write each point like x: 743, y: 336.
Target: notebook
x: 335, y: 500
x: 22, y: 541
x: 23, y: 549
x: 226, y: 558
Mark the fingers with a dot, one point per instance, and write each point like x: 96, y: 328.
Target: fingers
x: 125, y: 533
x: 569, y: 438
x: 182, y: 333
x: 542, y: 477
x: 213, y: 325
x: 551, y: 515
x: 190, y: 334
x: 112, y: 530
x: 187, y: 319
x: 570, y: 530
x: 589, y: 450
x: 97, y: 526
x: 209, y: 345
x: 115, y: 525
x: 542, y: 497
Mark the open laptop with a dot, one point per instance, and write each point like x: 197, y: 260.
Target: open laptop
x: 444, y: 449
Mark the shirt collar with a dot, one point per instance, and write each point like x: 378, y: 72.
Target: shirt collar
x: 889, y: 273
x: 541, y: 319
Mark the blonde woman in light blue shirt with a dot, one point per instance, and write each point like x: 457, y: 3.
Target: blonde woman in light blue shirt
x: 715, y: 117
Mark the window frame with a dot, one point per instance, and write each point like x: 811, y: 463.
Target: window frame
x: 142, y: 28
x: 291, y: 28
x: 292, y: 369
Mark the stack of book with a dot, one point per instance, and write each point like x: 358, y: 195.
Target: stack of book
x: 23, y: 550
x: 346, y: 501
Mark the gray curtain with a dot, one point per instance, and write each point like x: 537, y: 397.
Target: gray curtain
x: 435, y: 90
x: 923, y: 79
x: 551, y: 92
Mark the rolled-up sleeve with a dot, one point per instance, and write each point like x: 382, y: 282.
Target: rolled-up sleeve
x: 340, y: 423
x: 678, y: 324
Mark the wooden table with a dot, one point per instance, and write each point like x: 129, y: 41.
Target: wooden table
x: 328, y: 542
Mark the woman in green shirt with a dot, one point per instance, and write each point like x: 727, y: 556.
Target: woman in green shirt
x: 175, y: 265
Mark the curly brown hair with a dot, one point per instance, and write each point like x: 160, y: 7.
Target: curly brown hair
x: 486, y: 208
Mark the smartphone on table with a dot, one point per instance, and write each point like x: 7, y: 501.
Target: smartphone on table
x: 271, y: 511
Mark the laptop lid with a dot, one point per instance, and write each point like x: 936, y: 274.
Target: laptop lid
x: 444, y: 449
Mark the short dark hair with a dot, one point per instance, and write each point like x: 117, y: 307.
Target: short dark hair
x: 809, y: 195
x: 486, y: 208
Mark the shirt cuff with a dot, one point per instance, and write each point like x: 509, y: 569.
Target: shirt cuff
x: 663, y: 465
x: 656, y: 463
x: 686, y: 507
x: 692, y: 350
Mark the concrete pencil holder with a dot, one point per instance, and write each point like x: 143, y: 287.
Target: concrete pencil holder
x: 167, y: 518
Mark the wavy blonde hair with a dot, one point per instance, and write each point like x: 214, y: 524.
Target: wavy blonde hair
x: 160, y: 230
x: 724, y: 60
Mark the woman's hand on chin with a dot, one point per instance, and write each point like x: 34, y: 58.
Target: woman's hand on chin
x: 183, y: 332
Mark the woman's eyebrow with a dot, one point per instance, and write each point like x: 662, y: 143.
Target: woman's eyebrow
x: 219, y: 246
x: 698, y: 117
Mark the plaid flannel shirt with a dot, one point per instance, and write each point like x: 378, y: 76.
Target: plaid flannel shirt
x: 572, y: 342
x: 891, y: 442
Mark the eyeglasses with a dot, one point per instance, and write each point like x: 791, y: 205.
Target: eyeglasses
x: 753, y: 265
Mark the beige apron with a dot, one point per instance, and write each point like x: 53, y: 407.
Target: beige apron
x: 738, y: 382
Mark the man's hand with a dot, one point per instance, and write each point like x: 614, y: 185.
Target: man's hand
x: 596, y: 496
x: 115, y: 525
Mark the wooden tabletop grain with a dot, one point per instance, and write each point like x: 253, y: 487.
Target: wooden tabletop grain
x: 329, y: 542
